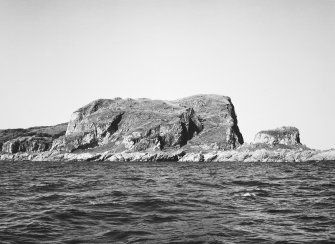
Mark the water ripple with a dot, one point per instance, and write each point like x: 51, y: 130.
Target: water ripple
x: 167, y: 202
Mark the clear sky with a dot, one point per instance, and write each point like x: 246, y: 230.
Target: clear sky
x: 274, y: 58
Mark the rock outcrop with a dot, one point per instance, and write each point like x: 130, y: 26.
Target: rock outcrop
x: 288, y: 136
x: 27, y: 144
x: 200, y: 128
x: 35, y: 139
x: 138, y: 125
x: 237, y: 155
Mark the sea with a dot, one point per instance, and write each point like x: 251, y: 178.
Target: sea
x: 167, y: 202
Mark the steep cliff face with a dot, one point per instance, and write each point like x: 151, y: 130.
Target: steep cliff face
x: 288, y: 136
x: 199, y: 122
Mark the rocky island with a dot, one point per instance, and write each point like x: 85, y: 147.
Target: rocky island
x: 201, y: 128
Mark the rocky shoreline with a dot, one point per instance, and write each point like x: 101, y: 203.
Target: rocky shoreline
x: 201, y: 128
x: 259, y: 155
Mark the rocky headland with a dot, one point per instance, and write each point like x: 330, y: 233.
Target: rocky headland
x: 201, y: 128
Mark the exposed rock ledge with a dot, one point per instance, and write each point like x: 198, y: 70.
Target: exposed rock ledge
x: 258, y: 155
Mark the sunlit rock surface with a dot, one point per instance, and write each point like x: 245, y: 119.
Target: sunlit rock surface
x: 137, y: 125
x: 201, y: 128
x: 283, y: 135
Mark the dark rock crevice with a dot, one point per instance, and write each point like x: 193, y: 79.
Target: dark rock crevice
x: 86, y: 146
x: 236, y: 129
x: 113, y: 126
x: 191, y: 125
